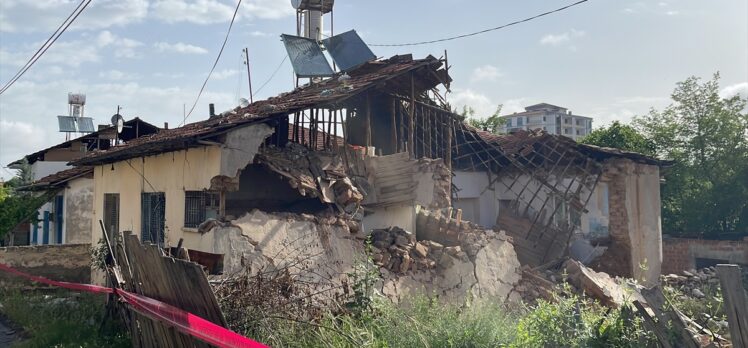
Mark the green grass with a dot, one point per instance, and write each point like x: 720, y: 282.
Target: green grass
x: 61, y: 319
x: 570, y: 322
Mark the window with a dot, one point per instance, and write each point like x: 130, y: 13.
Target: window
x: 543, y: 118
x: 508, y: 121
x: 520, y: 121
x: 577, y: 131
x: 579, y: 122
x: 152, y: 208
x: 199, y: 206
x: 567, y: 120
x: 111, y: 215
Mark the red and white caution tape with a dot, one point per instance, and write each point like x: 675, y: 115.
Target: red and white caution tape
x: 183, y: 321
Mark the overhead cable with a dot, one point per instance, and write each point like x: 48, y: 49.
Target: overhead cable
x: 225, y: 39
x: 272, y: 75
x: 47, y: 44
x: 482, y: 31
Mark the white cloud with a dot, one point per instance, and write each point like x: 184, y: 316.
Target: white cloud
x: 46, y: 15
x: 123, y: 47
x: 482, y: 104
x: 18, y: 138
x: 649, y: 7
x: 224, y: 74
x: 736, y: 89
x: 29, y: 108
x: 563, y: 38
x: 258, y: 33
x: 485, y: 73
x: 117, y: 75
x: 214, y: 11
x: 514, y: 105
x: 179, y: 47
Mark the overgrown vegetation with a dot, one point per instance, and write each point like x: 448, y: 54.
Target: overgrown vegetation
x: 272, y: 308
x: 706, y: 190
x: 62, y: 319
x: 18, y: 206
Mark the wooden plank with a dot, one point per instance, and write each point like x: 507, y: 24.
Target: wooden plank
x: 736, y: 306
x: 658, y: 328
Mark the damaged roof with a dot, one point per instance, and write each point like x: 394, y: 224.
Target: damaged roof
x: 522, y: 141
x: 329, y: 92
x: 132, y: 129
x: 57, y: 179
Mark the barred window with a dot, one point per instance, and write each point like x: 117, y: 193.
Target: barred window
x: 199, y: 206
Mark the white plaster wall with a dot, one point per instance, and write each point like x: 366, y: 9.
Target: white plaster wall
x: 44, y: 168
x: 645, y: 231
x: 78, y: 211
x: 403, y: 216
x: 471, y: 186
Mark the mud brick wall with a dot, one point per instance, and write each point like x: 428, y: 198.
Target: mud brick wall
x: 69, y: 262
x: 681, y: 254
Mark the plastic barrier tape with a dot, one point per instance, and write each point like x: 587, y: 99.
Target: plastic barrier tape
x: 183, y: 321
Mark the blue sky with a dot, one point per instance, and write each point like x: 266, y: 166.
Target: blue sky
x: 607, y: 59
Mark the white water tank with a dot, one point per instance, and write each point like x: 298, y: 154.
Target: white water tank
x: 323, y: 6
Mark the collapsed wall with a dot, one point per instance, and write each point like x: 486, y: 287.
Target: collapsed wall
x: 319, y: 249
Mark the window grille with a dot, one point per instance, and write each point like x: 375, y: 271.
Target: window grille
x: 200, y: 206
x: 153, y: 207
x: 111, y: 215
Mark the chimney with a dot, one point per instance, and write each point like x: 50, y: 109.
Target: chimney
x: 166, y: 125
x: 212, y: 109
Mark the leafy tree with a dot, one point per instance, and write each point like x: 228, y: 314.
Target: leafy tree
x: 490, y: 123
x: 620, y: 136
x: 17, y: 206
x: 706, y: 191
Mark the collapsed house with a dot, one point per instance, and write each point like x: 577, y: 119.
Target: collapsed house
x: 302, y: 179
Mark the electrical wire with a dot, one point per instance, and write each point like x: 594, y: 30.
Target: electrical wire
x: 271, y: 75
x: 47, y: 44
x: 482, y: 31
x: 225, y: 39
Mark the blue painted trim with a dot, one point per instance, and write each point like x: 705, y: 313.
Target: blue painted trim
x: 45, y: 228
x: 35, y: 232
x: 58, y: 218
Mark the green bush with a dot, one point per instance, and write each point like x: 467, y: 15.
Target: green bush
x: 575, y: 321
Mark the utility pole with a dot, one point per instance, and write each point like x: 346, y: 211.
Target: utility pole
x: 249, y: 76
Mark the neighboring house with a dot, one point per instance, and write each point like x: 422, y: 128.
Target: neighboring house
x: 67, y: 217
x: 550, y: 118
x: 53, y: 175
x: 249, y: 183
x: 613, y: 222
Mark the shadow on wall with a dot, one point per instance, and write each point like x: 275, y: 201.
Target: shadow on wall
x: 262, y: 189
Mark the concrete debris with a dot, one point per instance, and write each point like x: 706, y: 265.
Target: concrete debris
x: 481, y: 264
x: 318, y: 174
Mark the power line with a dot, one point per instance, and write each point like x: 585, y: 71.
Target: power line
x: 482, y: 31
x: 272, y: 75
x: 47, y: 44
x: 225, y: 39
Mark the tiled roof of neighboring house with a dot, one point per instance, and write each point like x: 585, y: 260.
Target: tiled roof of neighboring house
x: 326, y: 93
x: 59, y: 178
x: 132, y: 129
x: 518, y: 142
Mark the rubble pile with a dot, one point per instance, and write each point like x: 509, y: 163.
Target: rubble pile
x: 482, y: 264
x: 693, y: 282
x: 397, y: 251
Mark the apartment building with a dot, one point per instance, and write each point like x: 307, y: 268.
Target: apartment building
x: 550, y: 118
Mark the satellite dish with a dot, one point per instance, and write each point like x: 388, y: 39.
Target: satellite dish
x: 119, y: 122
x: 243, y: 102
